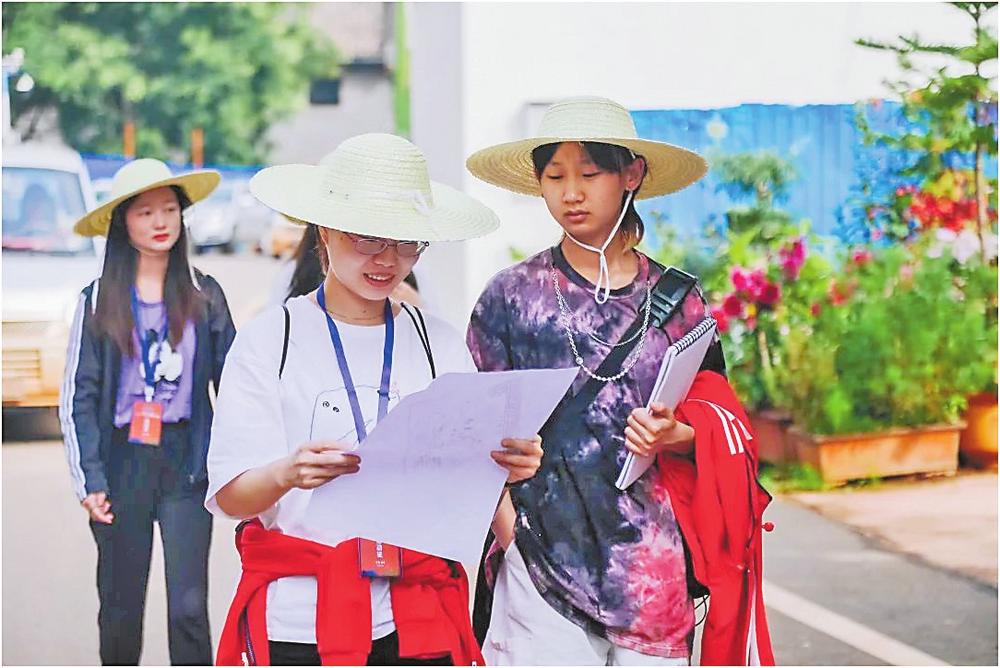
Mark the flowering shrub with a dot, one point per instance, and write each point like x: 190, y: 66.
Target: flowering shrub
x: 759, y: 307
x: 901, y: 340
x: 945, y: 202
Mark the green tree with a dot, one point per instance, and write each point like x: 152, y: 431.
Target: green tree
x: 952, y: 106
x: 232, y: 69
x: 762, y: 179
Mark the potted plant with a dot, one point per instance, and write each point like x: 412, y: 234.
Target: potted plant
x: 948, y: 186
x: 878, y: 380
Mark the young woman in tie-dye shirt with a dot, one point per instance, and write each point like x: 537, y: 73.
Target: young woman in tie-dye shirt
x: 591, y: 575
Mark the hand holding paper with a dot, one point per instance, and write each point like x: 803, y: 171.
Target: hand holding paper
x: 522, y: 457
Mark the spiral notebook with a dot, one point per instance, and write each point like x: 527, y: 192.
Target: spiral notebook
x: 680, y: 365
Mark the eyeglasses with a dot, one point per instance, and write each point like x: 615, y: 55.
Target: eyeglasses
x: 375, y: 245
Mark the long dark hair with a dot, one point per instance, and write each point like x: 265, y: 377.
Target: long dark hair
x: 310, y: 256
x: 609, y: 158
x: 182, y: 299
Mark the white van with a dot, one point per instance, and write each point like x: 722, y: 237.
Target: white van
x: 45, y: 265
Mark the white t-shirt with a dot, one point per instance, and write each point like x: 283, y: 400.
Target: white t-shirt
x: 259, y: 419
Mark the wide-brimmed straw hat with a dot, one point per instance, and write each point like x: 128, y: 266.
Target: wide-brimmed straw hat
x: 137, y: 177
x: 376, y: 185
x: 596, y: 119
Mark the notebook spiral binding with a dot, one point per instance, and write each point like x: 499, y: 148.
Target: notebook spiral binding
x: 696, y: 333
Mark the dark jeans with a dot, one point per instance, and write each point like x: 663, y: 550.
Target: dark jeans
x: 146, y: 485
x: 385, y: 652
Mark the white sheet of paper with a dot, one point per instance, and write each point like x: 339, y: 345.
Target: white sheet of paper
x: 427, y: 481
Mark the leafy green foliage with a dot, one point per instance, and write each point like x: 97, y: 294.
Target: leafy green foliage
x: 232, y: 69
x: 792, y: 477
x: 904, y: 344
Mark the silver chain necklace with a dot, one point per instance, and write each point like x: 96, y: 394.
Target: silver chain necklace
x: 566, y: 319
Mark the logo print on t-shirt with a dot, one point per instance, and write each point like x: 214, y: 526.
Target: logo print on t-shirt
x: 168, y: 369
x: 333, y: 420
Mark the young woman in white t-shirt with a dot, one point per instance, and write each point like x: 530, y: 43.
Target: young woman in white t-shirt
x: 286, y: 421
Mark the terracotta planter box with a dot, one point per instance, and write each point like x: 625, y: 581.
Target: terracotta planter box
x: 979, y: 439
x: 932, y: 449
x: 770, y: 427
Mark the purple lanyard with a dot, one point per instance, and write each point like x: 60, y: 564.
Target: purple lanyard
x: 148, y: 365
x: 345, y: 372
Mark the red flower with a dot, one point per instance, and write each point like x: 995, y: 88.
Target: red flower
x: 861, y: 256
x: 732, y: 306
x: 838, y: 293
x: 816, y: 309
x: 721, y: 319
x: 770, y: 294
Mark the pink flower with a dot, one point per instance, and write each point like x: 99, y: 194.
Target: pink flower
x: 792, y: 258
x: 756, y: 284
x: 739, y: 278
x: 732, y: 306
x: 721, y: 319
x: 751, y: 323
x: 876, y: 234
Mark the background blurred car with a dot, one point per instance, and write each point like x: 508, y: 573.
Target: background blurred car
x: 282, y: 237
x: 212, y: 221
x: 230, y: 219
x: 102, y: 190
x: 45, y: 265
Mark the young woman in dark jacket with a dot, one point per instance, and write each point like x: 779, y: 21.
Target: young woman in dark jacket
x: 148, y: 339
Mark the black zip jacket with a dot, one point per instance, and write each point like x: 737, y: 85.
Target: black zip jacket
x: 90, y: 387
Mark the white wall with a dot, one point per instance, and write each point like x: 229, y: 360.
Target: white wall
x: 646, y: 56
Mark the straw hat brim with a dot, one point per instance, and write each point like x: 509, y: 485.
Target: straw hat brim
x: 669, y: 168
x: 198, y: 185
x: 299, y: 192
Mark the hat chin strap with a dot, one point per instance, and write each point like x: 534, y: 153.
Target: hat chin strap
x: 601, y: 294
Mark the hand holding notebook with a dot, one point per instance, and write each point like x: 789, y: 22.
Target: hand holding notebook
x: 680, y: 365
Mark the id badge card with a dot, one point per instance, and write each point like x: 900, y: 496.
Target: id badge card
x: 379, y: 560
x: 147, y: 423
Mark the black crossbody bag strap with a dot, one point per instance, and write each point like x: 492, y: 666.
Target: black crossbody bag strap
x: 421, y: 328
x: 667, y: 296
x: 284, y: 345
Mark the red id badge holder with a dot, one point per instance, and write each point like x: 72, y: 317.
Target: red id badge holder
x: 147, y: 422
x: 379, y: 560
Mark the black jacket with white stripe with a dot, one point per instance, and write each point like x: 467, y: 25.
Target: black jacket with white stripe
x: 90, y: 387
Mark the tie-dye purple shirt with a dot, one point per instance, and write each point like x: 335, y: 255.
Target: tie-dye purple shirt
x: 610, y: 561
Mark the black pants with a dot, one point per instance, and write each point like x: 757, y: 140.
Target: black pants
x: 147, y: 484
x: 385, y: 652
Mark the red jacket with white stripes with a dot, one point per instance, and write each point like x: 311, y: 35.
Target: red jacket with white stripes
x: 430, y: 602
x: 719, y: 506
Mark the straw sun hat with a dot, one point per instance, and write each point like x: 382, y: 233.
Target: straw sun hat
x: 376, y: 185
x: 137, y: 177
x: 669, y: 168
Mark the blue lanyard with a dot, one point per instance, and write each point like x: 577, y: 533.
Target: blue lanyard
x: 148, y: 365
x: 345, y: 372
